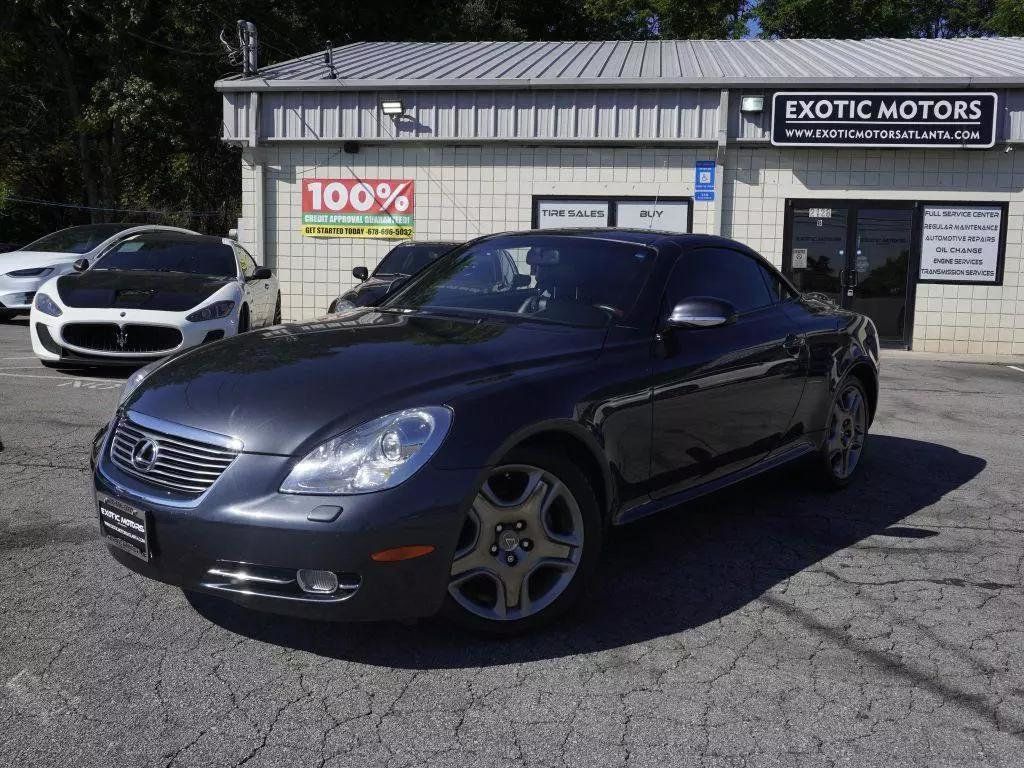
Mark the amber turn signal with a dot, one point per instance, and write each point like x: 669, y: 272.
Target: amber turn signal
x: 401, y: 553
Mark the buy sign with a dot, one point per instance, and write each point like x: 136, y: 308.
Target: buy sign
x: 366, y: 208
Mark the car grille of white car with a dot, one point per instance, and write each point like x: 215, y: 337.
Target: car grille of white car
x: 187, y: 466
x: 110, y: 337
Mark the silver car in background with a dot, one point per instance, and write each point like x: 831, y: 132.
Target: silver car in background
x: 23, y: 271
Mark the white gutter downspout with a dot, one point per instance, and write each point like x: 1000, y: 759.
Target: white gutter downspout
x: 259, y: 184
x: 723, y: 137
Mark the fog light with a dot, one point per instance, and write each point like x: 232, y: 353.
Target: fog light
x: 317, y: 582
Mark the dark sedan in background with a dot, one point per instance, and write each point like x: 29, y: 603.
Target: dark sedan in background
x: 466, y: 447
x: 401, y: 262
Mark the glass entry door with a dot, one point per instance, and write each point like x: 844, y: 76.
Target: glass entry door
x: 856, y: 253
x: 818, y: 252
x: 881, y: 258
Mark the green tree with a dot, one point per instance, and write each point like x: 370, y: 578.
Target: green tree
x: 876, y: 18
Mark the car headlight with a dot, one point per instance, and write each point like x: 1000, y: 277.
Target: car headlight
x: 132, y: 382
x: 212, y: 311
x: 379, y: 454
x: 36, y: 272
x: 47, y: 306
x: 343, y: 305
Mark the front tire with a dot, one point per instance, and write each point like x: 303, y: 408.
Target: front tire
x: 529, y: 545
x: 6, y: 315
x: 277, y: 311
x: 846, y: 432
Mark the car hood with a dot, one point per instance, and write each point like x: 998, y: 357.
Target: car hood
x: 15, y: 260
x: 369, y: 290
x: 132, y: 289
x: 278, y: 389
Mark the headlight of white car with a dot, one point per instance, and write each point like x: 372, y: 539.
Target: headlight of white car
x: 377, y: 455
x: 212, y: 312
x: 33, y: 272
x: 47, y: 306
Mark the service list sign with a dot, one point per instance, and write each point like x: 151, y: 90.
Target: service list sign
x: 960, y: 243
x: 892, y: 119
x: 363, y: 208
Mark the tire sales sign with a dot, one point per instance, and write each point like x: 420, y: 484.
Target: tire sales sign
x: 362, y: 208
x: 965, y: 119
x: 961, y: 243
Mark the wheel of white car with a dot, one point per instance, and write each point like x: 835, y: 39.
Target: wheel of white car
x: 243, y: 319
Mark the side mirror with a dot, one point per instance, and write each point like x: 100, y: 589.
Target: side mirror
x: 262, y: 273
x: 81, y: 265
x: 521, y: 281
x: 701, y: 312
x: 360, y: 273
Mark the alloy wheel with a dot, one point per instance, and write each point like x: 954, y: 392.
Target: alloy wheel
x: 520, y: 546
x: 847, y: 431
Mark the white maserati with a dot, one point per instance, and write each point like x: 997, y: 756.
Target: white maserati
x: 149, y: 295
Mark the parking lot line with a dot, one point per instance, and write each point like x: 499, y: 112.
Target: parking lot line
x: 1019, y: 370
x: 58, y: 378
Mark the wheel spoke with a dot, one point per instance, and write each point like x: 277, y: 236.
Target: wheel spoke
x: 512, y: 582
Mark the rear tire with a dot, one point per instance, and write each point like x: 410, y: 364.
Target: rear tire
x: 277, y: 311
x: 6, y: 315
x: 846, y: 432
x: 529, y: 546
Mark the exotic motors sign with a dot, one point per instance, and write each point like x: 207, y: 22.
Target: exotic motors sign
x: 859, y: 119
x: 961, y: 243
x: 380, y: 208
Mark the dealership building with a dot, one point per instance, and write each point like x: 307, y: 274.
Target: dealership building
x: 888, y: 174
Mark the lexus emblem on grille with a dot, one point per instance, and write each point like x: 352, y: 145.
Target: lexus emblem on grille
x: 121, y: 338
x: 145, y: 454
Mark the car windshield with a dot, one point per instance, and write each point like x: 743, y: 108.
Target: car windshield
x: 77, y: 239
x: 161, y: 254
x: 571, y: 280
x: 410, y: 258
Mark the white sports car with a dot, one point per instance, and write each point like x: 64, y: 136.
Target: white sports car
x: 149, y: 295
x: 24, y: 270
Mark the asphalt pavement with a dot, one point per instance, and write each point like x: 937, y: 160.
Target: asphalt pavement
x: 770, y: 625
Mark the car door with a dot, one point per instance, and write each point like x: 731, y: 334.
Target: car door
x: 724, y: 396
x: 256, y: 291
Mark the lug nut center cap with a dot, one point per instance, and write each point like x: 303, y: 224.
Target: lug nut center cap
x: 508, y: 541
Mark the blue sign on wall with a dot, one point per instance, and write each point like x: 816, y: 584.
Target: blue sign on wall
x: 704, y: 180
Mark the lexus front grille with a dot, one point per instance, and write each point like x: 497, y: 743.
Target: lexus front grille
x: 187, y: 466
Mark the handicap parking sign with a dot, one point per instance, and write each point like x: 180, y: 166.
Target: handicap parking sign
x: 704, y: 180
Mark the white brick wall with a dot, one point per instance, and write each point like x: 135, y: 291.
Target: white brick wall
x: 465, y: 191
x: 947, y: 318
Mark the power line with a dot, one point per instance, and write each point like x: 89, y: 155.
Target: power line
x: 55, y: 204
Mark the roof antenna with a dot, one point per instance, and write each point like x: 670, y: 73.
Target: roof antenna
x: 332, y: 73
x: 248, y: 41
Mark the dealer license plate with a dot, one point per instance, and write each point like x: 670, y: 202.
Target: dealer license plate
x: 124, y: 526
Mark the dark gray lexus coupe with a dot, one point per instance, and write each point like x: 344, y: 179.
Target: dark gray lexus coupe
x: 466, y: 446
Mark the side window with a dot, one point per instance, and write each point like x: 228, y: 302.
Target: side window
x: 508, y: 269
x: 245, y: 261
x: 722, y: 274
x: 778, y: 287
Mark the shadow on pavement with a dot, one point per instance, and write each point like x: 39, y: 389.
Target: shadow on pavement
x: 668, y: 573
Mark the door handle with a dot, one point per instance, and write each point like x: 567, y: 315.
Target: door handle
x: 794, y: 344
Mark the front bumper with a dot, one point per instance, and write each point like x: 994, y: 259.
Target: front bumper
x: 57, y: 348
x: 16, y: 293
x: 243, y: 524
